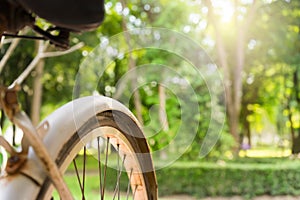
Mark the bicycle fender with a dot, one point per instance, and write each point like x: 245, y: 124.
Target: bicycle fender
x: 60, y: 124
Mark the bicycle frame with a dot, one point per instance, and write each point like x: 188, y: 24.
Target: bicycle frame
x: 9, y: 103
x: 27, y: 170
x: 63, y: 121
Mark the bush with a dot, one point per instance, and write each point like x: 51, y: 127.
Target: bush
x: 245, y: 177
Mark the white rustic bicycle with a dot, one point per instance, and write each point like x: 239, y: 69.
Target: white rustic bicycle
x: 37, y: 168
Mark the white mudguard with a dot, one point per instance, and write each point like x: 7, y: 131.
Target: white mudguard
x: 54, y: 129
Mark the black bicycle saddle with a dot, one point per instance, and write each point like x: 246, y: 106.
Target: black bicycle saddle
x: 76, y: 15
x: 65, y: 15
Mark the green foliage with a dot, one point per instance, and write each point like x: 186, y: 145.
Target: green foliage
x: 244, y: 177
x: 21, y: 58
x: 59, y: 77
x: 92, y: 187
x: 163, y: 67
x: 272, y: 56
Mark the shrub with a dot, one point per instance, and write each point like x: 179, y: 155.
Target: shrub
x: 246, y: 178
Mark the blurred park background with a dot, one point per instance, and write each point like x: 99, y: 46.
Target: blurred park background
x: 256, y: 46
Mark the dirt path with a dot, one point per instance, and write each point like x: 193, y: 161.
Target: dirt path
x: 186, y: 197
x: 256, y: 198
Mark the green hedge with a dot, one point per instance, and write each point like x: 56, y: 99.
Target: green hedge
x: 247, y: 178
x: 244, y: 177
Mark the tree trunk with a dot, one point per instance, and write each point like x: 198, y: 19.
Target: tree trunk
x: 163, y: 119
x: 136, y: 94
x: 247, y: 131
x: 233, y: 77
x: 296, y: 146
x: 295, y: 135
x: 233, y: 119
x: 38, y: 64
x: 295, y: 138
x: 162, y: 108
x: 230, y: 86
x: 296, y: 86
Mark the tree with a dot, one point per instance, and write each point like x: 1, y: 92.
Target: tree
x: 158, y: 13
x: 270, y: 81
x: 233, y: 64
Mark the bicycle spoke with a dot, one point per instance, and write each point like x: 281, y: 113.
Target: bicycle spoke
x: 83, y: 172
x: 134, y: 192
x: 77, y: 175
x: 99, y: 168
x: 105, y: 166
x: 128, y: 186
x: 119, y: 173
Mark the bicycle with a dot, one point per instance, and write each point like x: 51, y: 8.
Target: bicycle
x: 47, y: 151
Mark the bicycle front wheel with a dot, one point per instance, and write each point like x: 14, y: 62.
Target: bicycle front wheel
x: 110, y: 136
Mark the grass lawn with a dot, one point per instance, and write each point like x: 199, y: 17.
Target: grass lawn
x: 92, y: 185
x: 91, y: 190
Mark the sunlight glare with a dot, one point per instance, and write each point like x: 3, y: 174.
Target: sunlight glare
x: 225, y: 9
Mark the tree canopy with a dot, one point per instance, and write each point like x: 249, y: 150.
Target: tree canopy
x: 207, y: 71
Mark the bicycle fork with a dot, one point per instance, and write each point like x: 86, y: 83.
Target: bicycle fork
x: 9, y: 103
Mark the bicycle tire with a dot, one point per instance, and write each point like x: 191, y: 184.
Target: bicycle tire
x: 122, y: 128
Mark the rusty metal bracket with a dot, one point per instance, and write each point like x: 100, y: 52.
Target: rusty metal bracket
x: 9, y: 103
x: 15, y: 163
x: 16, y: 160
x: 9, y: 100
